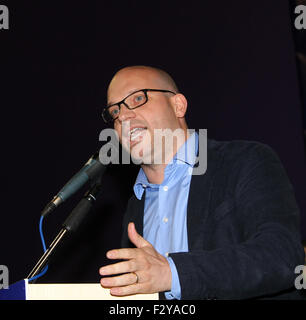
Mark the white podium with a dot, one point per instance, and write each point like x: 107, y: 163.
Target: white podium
x: 23, y: 290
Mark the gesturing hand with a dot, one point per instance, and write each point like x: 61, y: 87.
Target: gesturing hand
x: 144, y: 269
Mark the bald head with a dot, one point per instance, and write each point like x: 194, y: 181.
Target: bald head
x: 161, y: 110
x: 140, y: 77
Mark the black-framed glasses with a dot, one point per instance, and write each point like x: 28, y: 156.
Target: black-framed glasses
x: 132, y: 101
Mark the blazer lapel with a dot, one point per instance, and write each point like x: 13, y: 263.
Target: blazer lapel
x: 200, y: 193
x: 134, y: 214
x: 139, y: 212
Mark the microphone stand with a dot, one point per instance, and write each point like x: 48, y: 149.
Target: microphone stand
x: 71, y: 224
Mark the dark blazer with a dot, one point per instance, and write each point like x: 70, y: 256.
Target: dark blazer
x: 243, y: 227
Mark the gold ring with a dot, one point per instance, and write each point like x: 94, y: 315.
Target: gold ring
x: 136, y: 277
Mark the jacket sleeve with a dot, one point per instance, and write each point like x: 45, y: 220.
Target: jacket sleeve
x: 264, y: 263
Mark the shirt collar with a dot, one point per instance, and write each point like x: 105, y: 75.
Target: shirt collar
x: 187, y: 153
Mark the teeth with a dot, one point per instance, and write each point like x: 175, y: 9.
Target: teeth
x: 135, y: 133
x: 135, y: 129
x: 132, y: 131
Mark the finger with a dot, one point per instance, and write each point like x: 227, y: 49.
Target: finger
x: 135, y: 237
x: 120, y: 267
x: 122, y: 280
x: 126, y: 290
x: 126, y: 253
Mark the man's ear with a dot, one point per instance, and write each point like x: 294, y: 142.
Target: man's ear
x: 180, y: 105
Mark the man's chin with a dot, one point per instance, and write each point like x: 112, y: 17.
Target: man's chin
x: 141, y: 153
x: 138, y: 158
x: 136, y: 151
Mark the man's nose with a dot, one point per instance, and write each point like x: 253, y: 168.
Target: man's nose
x: 126, y: 113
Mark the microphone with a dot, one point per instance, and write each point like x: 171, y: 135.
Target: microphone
x: 92, y: 169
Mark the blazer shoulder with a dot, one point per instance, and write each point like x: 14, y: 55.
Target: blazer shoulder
x: 241, y: 151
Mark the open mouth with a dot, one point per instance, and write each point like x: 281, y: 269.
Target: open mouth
x: 136, y: 133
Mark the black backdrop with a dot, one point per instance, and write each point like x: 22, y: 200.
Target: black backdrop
x: 233, y: 60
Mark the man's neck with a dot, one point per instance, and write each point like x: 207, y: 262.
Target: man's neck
x: 155, y: 172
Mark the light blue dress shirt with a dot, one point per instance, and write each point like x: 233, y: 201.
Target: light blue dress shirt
x: 165, y: 209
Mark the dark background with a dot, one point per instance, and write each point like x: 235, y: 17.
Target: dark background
x: 239, y: 63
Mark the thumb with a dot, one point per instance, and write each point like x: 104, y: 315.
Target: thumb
x: 135, y: 237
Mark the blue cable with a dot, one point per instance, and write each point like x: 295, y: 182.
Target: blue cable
x: 41, y: 233
x: 44, y: 247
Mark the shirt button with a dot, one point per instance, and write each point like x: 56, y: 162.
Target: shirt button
x: 165, y: 219
x: 144, y: 186
x: 165, y: 188
x: 167, y: 254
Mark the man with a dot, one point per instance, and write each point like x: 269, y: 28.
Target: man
x: 231, y: 233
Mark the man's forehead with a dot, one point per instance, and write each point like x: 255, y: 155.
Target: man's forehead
x: 130, y: 76
x: 129, y: 81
